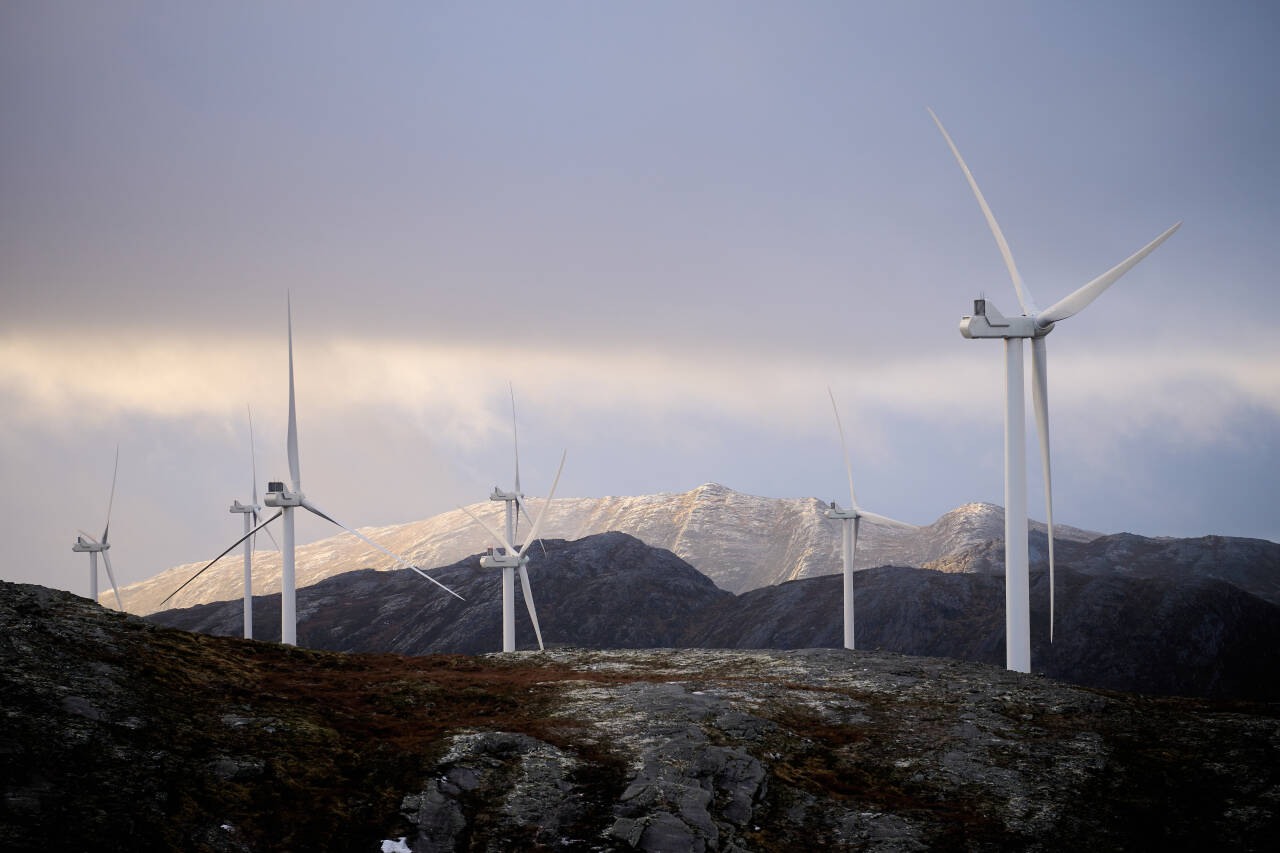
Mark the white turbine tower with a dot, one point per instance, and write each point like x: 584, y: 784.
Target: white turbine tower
x: 1032, y: 323
x: 278, y: 495
x: 849, y: 520
x: 86, y: 543
x: 512, y: 559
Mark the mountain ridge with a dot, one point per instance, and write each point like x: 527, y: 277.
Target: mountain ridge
x: 739, y: 541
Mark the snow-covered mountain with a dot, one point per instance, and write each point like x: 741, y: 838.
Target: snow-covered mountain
x: 740, y: 541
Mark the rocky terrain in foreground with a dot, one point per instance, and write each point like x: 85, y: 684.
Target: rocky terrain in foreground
x: 1188, y: 637
x: 122, y: 735
x: 740, y: 541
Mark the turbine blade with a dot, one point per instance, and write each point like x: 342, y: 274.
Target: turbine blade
x: 1064, y: 308
x: 253, y: 460
x: 515, y: 433
x: 520, y: 507
x: 292, y: 439
x: 847, y: 467
x: 528, y: 602
x: 115, y: 469
x: 209, y: 564
x: 1040, y: 401
x: 390, y: 554
x: 106, y: 561
x: 537, y: 524
x: 1024, y: 295
x: 856, y: 521
x: 515, y: 437
x: 272, y: 537
x: 875, y: 516
x: 494, y: 534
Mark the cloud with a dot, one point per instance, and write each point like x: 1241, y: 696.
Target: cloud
x: 459, y: 390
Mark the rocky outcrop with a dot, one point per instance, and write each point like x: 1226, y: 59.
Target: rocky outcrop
x: 121, y: 735
x: 739, y: 541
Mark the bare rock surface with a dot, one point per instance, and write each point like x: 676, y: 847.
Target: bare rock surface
x: 123, y: 735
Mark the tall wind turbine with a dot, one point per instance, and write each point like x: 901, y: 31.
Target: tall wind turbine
x: 1035, y: 324
x: 287, y: 500
x: 514, y: 499
x: 512, y: 559
x: 251, y: 522
x: 849, y: 519
x: 86, y: 543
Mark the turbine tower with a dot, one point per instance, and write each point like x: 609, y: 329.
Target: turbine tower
x: 513, y: 559
x: 1033, y: 324
x: 849, y: 520
x: 287, y: 500
x: 87, y: 544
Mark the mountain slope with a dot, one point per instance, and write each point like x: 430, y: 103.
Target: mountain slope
x: 739, y: 541
x: 1252, y: 565
x: 1192, y: 637
x: 607, y: 590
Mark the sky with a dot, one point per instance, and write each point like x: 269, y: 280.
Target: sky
x: 671, y: 226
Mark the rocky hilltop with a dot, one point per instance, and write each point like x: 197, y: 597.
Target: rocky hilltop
x: 122, y: 735
x: 739, y: 541
x: 1180, y: 637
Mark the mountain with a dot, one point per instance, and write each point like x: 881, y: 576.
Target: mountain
x: 1197, y: 637
x: 122, y: 735
x: 1191, y: 637
x: 1252, y: 565
x: 739, y: 541
x: 607, y: 590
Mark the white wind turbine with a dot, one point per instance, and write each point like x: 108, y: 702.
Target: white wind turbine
x: 251, y: 521
x: 1033, y: 323
x: 514, y: 499
x: 849, y: 520
x: 86, y: 543
x: 512, y: 559
x: 288, y: 500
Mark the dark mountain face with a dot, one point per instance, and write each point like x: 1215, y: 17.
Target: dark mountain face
x: 605, y: 591
x: 1198, y: 638
x: 1253, y: 565
x: 1189, y: 637
x: 120, y: 735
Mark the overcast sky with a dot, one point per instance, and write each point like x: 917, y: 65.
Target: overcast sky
x: 670, y: 225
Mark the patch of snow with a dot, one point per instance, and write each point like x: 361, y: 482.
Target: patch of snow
x: 397, y: 846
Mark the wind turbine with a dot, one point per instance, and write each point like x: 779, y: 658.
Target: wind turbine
x: 849, y: 519
x: 86, y: 543
x: 514, y: 499
x: 287, y: 500
x: 251, y: 521
x: 512, y: 559
x: 1035, y: 324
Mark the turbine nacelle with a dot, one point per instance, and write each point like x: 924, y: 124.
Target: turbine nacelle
x: 840, y: 514
x: 83, y: 545
x: 492, y: 560
x: 500, y: 495
x: 278, y: 495
x: 236, y: 506
x: 988, y: 322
